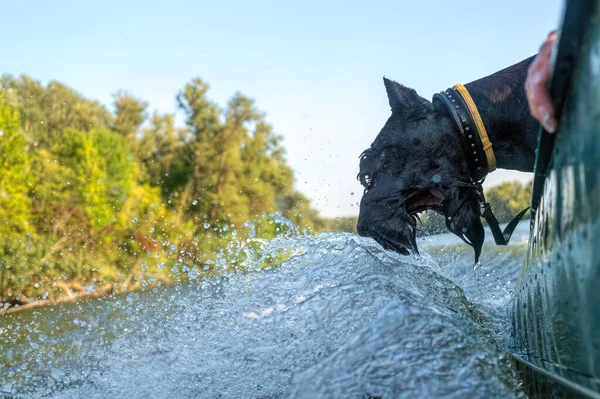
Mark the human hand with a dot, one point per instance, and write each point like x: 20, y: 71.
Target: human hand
x: 540, y: 104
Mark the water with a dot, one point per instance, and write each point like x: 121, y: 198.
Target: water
x: 341, y: 318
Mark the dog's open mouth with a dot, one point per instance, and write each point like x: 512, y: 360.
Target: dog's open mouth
x: 392, y: 220
x: 422, y: 199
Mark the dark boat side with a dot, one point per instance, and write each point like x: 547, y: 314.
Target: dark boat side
x: 556, y: 311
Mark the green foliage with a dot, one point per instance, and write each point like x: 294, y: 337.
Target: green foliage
x: 16, y: 229
x: 346, y: 224
x: 160, y: 154
x: 232, y: 167
x: 91, y: 202
x: 48, y: 111
x: 296, y: 207
x: 130, y: 113
x: 100, y: 170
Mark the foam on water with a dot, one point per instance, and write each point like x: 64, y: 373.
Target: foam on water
x: 340, y: 318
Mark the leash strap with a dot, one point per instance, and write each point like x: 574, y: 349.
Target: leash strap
x: 500, y: 237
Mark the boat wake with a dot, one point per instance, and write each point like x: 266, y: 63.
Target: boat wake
x: 340, y: 318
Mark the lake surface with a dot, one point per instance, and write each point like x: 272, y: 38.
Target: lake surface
x: 341, y: 318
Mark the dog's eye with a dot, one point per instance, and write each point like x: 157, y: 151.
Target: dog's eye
x: 386, y: 160
x: 380, y: 160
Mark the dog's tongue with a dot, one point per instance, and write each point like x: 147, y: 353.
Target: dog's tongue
x: 436, y: 194
x: 429, y: 197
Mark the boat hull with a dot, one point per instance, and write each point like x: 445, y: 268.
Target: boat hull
x: 556, y: 311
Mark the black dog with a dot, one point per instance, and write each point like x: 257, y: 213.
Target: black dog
x: 422, y: 157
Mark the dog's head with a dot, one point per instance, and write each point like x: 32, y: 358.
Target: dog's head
x: 416, y: 163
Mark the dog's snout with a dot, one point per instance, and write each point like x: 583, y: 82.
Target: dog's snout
x: 363, y: 229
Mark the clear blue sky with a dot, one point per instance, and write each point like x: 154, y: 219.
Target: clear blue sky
x: 315, y: 67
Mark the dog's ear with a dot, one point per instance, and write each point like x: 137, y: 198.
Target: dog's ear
x: 404, y: 100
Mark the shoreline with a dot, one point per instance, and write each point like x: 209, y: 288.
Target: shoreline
x: 101, y: 292
x: 48, y: 302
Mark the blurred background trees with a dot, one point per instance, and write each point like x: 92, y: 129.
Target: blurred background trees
x: 93, y: 198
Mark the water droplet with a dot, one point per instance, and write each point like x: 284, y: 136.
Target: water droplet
x: 134, y: 220
x: 42, y: 122
x: 193, y: 274
x: 194, y: 202
x: 160, y: 265
x: 206, y: 225
x: 152, y: 230
x: 436, y: 178
x: 352, y: 193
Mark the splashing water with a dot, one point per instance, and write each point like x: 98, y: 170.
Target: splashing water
x: 340, y: 318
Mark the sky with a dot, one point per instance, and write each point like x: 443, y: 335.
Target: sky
x: 314, y: 67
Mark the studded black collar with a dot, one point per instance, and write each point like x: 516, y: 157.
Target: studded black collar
x: 479, y: 153
x: 471, y: 136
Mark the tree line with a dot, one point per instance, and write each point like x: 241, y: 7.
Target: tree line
x: 97, y: 200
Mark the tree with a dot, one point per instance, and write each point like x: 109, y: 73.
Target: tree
x: 214, y: 147
x: 201, y: 151
x: 130, y: 113
x: 297, y: 208
x: 265, y: 175
x: 16, y: 227
x: 346, y: 224
x: 48, y: 111
x: 160, y: 152
x: 88, y: 198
